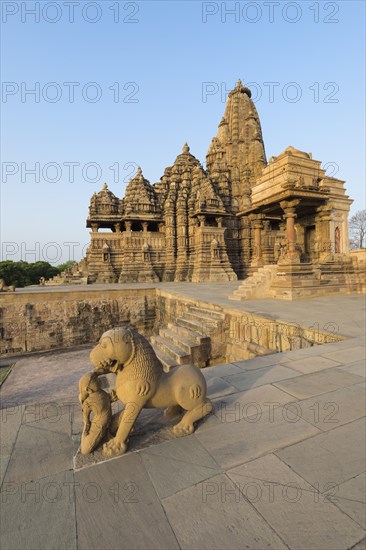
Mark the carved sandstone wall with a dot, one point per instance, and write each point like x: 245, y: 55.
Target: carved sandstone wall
x: 42, y: 321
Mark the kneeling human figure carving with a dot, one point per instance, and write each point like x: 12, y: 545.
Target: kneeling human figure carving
x: 93, y: 400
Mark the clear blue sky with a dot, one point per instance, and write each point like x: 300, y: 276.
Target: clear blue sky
x: 168, y: 50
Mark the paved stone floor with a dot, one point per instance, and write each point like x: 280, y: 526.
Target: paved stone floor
x: 279, y: 464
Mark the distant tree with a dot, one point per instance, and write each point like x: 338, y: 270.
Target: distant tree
x: 40, y: 269
x: 66, y: 265
x: 22, y: 274
x: 357, y: 225
x: 14, y: 273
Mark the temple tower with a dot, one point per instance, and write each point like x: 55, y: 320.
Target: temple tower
x: 238, y: 147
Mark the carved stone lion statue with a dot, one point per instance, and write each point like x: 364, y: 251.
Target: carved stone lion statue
x: 142, y: 383
x: 5, y: 288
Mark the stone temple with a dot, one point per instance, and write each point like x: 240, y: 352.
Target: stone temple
x: 283, y: 220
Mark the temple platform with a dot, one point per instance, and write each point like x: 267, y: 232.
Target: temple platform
x: 321, y: 310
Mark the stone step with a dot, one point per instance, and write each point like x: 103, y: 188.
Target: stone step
x: 238, y: 291
x: 176, y: 353
x: 192, y: 324
x: 178, y: 340
x: 249, y: 285
x: 244, y: 292
x: 167, y: 362
x: 239, y: 297
x: 206, y: 322
x: 219, y: 315
x: 198, y: 337
x: 255, y: 285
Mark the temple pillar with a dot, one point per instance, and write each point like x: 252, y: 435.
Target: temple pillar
x: 144, y: 227
x: 182, y: 240
x: 291, y: 254
x: 170, y: 240
x: 267, y: 246
x: 257, y: 225
x: 128, y: 225
x: 324, y: 220
x: 201, y: 220
x: 117, y: 227
x: 95, y: 227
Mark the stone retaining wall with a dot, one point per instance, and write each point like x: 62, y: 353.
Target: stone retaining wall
x: 244, y: 335
x: 38, y: 321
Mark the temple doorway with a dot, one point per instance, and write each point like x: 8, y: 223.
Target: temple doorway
x: 310, y: 243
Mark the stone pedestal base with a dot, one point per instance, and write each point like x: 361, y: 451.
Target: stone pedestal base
x: 219, y: 272
x: 145, y: 274
x: 211, y: 261
x: 297, y: 281
x: 107, y: 276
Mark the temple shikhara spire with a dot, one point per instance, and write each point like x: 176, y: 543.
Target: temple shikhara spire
x: 223, y: 222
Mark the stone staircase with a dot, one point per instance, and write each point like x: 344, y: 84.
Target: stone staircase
x: 187, y: 340
x: 75, y: 275
x: 256, y: 286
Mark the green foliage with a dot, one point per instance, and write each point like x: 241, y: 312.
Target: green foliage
x: 66, y: 265
x: 4, y: 371
x: 22, y: 274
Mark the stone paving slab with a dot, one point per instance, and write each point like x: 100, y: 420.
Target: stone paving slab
x: 224, y: 369
x: 177, y: 464
x: 260, y: 377
x: 4, y: 463
x: 41, y: 449
x: 301, y: 516
x: 332, y: 457
x: 39, y: 515
x: 350, y: 355
x: 217, y: 387
x: 358, y: 368
x: 232, y: 443
x: 258, y: 362
x: 251, y: 404
x: 335, y: 346
x: 218, y: 518
x: 117, y: 508
x: 307, y: 365
x: 361, y: 545
x: 269, y: 469
x: 350, y: 497
x: 329, y: 410
x: 319, y: 382
x: 10, y: 422
x: 45, y: 378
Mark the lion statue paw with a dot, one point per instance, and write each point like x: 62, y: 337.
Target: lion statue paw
x: 182, y: 429
x: 114, y: 448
